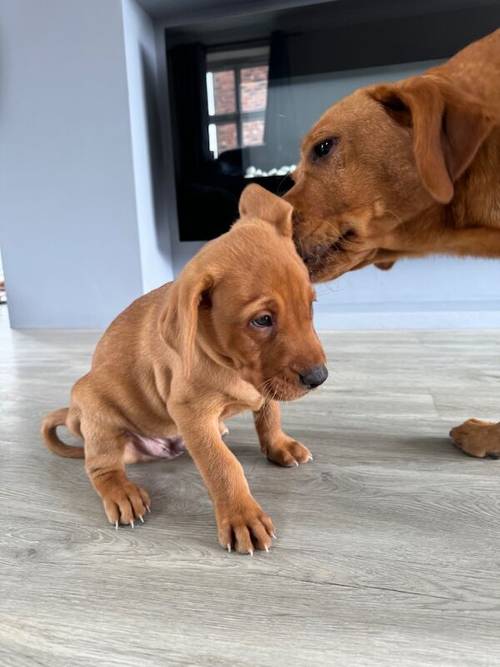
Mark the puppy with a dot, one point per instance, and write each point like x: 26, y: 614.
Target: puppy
x: 404, y: 170
x: 234, y: 332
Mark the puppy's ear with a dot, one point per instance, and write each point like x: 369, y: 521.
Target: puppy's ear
x: 259, y: 203
x: 180, y: 320
x: 447, y: 129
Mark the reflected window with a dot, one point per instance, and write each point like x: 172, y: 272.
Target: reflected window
x: 237, y: 83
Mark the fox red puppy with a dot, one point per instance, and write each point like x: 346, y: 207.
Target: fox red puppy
x: 234, y: 332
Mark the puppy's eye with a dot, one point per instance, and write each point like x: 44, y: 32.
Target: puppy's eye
x: 324, y: 147
x: 262, y: 322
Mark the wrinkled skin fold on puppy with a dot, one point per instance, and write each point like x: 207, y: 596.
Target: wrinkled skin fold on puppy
x: 234, y: 332
x: 406, y: 169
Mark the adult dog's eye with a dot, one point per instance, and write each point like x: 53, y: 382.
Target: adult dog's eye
x: 349, y: 235
x: 262, y: 321
x: 322, y: 148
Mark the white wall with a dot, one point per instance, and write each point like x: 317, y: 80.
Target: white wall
x: 81, y: 174
x: 152, y: 203
x: 67, y: 207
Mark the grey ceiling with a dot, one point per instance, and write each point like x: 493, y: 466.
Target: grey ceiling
x: 178, y: 12
x: 173, y: 13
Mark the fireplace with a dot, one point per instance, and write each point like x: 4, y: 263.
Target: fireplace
x: 244, y: 90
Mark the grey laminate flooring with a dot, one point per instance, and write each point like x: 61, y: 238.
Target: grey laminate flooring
x: 388, y: 543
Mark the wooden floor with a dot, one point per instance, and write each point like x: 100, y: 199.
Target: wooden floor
x: 388, y: 549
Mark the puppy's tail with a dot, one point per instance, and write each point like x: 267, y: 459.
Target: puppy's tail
x: 49, y: 426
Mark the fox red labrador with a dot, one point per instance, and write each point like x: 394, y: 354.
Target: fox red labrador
x: 405, y: 170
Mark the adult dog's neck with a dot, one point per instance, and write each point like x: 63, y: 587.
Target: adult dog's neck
x: 468, y: 226
x: 475, y: 70
x: 477, y: 192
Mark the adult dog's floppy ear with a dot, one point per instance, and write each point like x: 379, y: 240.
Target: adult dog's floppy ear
x: 447, y: 129
x: 258, y: 202
x: 180, y: 322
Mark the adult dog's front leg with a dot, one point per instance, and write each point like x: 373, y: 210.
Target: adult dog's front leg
x: 241, y: 522
x: 279, y: 447
x: 478, y: 438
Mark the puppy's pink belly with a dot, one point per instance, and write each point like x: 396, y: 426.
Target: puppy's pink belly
x: 140, y: 448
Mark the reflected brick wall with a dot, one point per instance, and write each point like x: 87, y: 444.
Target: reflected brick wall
x: 253, y: 97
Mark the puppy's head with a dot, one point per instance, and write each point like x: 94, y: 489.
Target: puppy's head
x: 375, y: 160
x: 246, y: 299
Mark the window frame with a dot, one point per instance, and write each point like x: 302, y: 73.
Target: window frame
x: 238, y: 116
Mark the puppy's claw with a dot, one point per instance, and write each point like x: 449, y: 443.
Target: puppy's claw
x: 250, y: 551
x: 228, y: 548
x: 132, y: 524
x: 296, y: 463
x: 140, y: 517
x: 148, y: 508
x: 273, y: 534
x: 267, y: 549
x: 116, y: 525
x: 310, y: 458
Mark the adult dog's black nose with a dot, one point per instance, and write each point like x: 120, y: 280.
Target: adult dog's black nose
x: 313, y: 377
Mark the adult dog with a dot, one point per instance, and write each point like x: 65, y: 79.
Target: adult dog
x: 405, y: 170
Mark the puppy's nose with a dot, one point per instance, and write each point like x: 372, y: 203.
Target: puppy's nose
x: 313, y: 377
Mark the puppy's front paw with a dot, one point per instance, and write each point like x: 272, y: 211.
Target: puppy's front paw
x: 244, y: 526
x: 288, y: 452
x: 125, y: 502
x: 478, y: 438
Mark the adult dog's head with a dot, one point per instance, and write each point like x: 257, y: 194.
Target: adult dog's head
x: 246, y: 300
x: 375, y: 160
